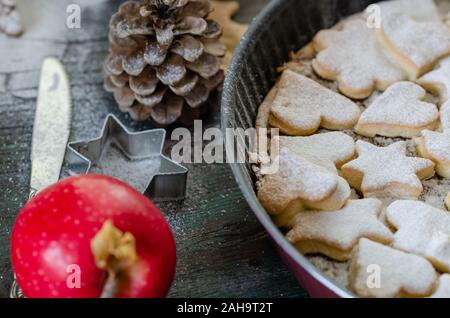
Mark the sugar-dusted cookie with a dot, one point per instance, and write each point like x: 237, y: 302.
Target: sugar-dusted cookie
x: 262, y: 118
x: 301, y: 106
x: 300, y: 184
x: 443, y: 289
x: 399, y: 112
x: 416, y: 46
x: 354, y: 58
x: 419, y: 10
x: 422, y: 230
x: 329, y: 150
x: 445, y: 115
x: 387, y: 171
x: 436, y: 147
x: 335, y: 234
x: 438, y: 81
x: 383, y: 272
x: 334, y: 202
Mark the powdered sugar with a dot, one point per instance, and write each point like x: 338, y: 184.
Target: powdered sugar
x: 354, y: 58
x: 438, y: 144
x: 401, y: 274
x: 421, y: 43
x: 445, y: 116
x: 422, y: 230
x: 138, y: 173
x: 297, y: 179
x: 386, y: 171
x: 302, y: 106
x: 328, y: 150
x: 438, y: 81
x: 398, y: 112
x: 436, y: 147
x: 434, y: 190
x: 419, y: 10
x: 443, y: 290
x: 343, y: 228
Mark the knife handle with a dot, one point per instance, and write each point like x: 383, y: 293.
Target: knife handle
x: 16, y: 292
x: 33, y: 193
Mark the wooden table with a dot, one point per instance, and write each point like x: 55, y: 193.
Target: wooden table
x: 222, y: 250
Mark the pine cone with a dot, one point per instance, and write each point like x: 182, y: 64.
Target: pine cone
x: 164, y: 60
x: 10, y: 23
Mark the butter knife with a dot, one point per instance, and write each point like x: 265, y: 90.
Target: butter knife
x: 51, y: 125
x: 50, y: 132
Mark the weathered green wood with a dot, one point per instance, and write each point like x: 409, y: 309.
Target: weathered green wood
x: 222, y: 250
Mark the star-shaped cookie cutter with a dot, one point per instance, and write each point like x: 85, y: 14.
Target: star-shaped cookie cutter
x: 169, y: 183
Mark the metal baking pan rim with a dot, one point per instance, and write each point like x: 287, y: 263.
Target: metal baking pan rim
x: 248, y: 191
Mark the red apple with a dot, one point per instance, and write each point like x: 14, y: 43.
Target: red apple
x: 52, y: 243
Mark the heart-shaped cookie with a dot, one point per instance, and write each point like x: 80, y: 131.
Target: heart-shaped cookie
x: 383, y: 272
x: 399, y: 112
x: 301, y: 106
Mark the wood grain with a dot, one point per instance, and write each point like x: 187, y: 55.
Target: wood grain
x: 222, y: 250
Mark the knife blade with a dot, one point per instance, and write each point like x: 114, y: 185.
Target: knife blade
x: 51, y: 125
x: 50, y: 132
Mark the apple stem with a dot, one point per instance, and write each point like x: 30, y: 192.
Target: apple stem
x: 111, y: 286
x: 114, y: 252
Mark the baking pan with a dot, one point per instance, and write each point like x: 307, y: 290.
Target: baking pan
x: 283, y: 26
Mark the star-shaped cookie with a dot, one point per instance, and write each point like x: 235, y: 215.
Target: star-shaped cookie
x: 300, y: 184
x: 399, y: 112
x: 416, y: 46
x: 334, y: 234
x: 422, y: 230
x: 301, y: 106
x: 438, y: 81
x: 354, y: 58
x: 381, y: 271
x: 436, y: 147
x: 387, y: 171
x: 329, y: 150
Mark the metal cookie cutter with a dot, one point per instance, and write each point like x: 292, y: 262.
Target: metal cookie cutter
x: 168, y: 179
